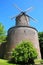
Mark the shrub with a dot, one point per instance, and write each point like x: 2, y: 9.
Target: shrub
x: 24, y: 53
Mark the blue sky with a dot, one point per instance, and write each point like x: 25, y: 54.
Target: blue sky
x: 7, y: 10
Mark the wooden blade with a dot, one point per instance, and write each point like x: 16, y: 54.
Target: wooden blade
x: 28, y: 9
x: 12, y: 17
x: 17, y: 7
x: 33, y: 19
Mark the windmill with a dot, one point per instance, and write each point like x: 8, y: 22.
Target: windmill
x: 23, y: 13
x: 22, y: 31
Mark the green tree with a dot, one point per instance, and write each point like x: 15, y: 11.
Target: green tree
x: 2, y: 34
x: 40, y: 34
x: 24, y: 53
x: 40, y: 37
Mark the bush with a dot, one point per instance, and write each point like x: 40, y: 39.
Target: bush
x: 24, y: 53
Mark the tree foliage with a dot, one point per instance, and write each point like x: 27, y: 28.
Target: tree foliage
x: 24, y: 52
x: 41, y: 37
x: 2, y: 33
x: 40, y: 34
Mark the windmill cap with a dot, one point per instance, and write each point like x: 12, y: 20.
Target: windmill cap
x: 22, y: 13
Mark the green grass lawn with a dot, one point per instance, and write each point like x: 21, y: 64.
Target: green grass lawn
x: 39, y: 61
x: 5, y: 62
